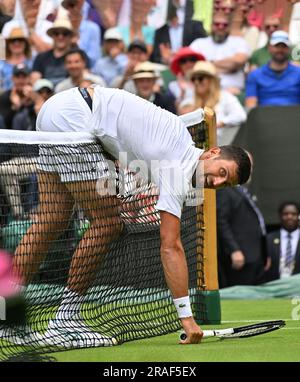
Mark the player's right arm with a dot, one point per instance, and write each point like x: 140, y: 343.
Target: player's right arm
x: 176, y: 273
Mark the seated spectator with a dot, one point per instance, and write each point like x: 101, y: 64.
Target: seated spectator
x: 30, y: 15
x: 241, y: 238
x: 76, y: 62
x: 144, y: 78
x: 246, y: 23
x: 179, y: 31
x: 12, y: 100
x: 86, y: 33
x: 137, y: 53
x: 181, y: 65
x: 283, y: 246
x: 50, y: 64
x: 228, y: 53
x: 262, y: 56
x: 114, y: 61
x: 278, y: 82
x: 25, y: 118
x: 229, y: 112
x: 18, y: 51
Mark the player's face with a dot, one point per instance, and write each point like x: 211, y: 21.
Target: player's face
x: 220, y: 173
x: 290, y: 218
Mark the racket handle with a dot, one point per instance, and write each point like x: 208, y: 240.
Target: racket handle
x: 206, y: 334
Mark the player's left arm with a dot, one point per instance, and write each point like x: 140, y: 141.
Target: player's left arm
x: 176, y: 272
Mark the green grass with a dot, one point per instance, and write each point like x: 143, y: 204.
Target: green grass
x: 281, y: 345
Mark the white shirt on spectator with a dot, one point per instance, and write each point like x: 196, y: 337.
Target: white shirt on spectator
x: 214, y: 52
x: 228, y: 110
x: 295, y: 236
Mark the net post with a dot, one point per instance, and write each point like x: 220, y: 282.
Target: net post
x: 207, y: 285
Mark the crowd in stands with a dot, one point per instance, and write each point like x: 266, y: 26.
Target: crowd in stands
x: 179, y: 54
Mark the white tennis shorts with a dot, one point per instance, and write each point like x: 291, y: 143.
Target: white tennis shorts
x: 73, y: 162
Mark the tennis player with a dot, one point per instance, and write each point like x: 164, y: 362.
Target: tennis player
x: 124, y: 123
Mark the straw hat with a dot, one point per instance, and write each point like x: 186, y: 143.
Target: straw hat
x: 15, y: 33
x: 60, y: 24
x: 206, y: 68
x: 182, y: 53
x: 144, y: 70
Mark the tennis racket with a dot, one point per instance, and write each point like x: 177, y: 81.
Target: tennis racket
x: 242, y: 331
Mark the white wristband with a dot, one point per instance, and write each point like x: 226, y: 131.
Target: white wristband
x: 183, y: 307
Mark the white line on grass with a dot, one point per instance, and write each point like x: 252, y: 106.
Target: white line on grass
x: 267, y: 319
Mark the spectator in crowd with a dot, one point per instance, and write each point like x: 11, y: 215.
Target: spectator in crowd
x: 283, y: 246
x: 137, y: 29
x: 76, y: 62
x: 181, y: 65
x: 246, y: 23
x: 25, y: 118
x: 86, y: 33
x: 18, y: 51
x: 137, y: 53
x: 278, y: 82
x: 229, y: 112
x: 12, y: 100
x: 144, y: 77
x: 7, y: 8
x: 114, y: 61
x: 179, y: 31
x: 226, y: 7
x: 31, y: 16
x: 228, y: 53
x: 241, y: 238
x: 50, y: 64
x: 262, y: 56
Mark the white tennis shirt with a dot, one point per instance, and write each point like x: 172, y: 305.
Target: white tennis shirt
x: 144, y: 137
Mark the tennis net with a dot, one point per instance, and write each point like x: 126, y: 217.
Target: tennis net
x: 59, y: 239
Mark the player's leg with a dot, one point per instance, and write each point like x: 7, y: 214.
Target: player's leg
x: 52, y: 218
x: 105, y: 226
x: 103, y: 213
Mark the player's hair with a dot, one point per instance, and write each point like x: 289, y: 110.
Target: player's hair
x: 81, y: 53
x: 288, y: 203
x: 241, y: 158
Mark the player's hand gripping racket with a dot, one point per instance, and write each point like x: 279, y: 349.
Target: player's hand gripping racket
x: 242, y: 331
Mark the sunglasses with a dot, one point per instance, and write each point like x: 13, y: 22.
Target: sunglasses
x: 221, y: 25
x: 271, y: 27
x: 198, y: 78
x: 184, y: 60
x: 13, y: 40
x: 223, y: 9
x: 61, y: 33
